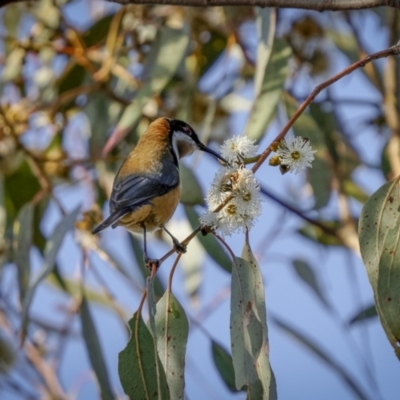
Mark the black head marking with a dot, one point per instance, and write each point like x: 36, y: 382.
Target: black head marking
x: 177, y: 125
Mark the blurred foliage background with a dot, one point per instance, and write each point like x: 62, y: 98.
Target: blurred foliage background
x: 80, y: 81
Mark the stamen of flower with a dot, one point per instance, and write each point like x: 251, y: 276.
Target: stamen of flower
x: 295, y: 155
x: 231, y: 209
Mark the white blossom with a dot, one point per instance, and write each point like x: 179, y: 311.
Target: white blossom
x: 244, y: 204
x: 237, y: 148
x: 296, y: 154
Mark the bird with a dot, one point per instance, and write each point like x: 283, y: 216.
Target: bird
x: 146, y: 189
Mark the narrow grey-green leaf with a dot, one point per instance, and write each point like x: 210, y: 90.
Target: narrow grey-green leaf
x: 324, y: 356
x: 172, y: 335
x: 249, y: 334
x: 138, y: 252
x: 264, y: 104
x: 151, y: 301
x: 136, y: 367
x: 223, y: 362
x: 266, y: 24
x: 73, y: 288
x: 379, y: 228
x: 50, y: 253
x: 191, y: 192
x: 320, y: 175
x: 209, y: 242
x: 95, y: 351
x: 364, y: 315
x: 307, y: 274
x: 166, y: 54
x: 23, y: 226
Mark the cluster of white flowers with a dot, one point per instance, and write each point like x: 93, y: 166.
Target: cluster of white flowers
x: 295, y: 154
x: 237, y: 184
x: 236, y: 187
x: 237, y: 148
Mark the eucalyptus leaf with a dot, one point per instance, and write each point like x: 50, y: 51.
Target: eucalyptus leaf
x: 50, y: 253
x: 138, y: 254
x: 363, y: 315
x: 223, y: 362
x: 320, y: 175
x: 209, y: 242
x: 13, y: 65
x: 266, y: 25
x: 265, y: 103
x: 249, y: 334
x: 136, y: 368
x: 23, y: 234
x: 95, y: 351
x: 151, y: 301
x: 172, y: 334
x: 307, y: 275
x: 379, y: 230
x: 191, y: 191
x: 73, y: 288
x: 166, y: 55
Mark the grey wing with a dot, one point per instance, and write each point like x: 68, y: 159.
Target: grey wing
x: 134, y: 190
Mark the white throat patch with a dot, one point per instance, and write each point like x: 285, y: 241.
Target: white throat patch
x: 182, y: 144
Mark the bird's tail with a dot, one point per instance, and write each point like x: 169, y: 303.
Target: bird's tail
x: 111, y: 220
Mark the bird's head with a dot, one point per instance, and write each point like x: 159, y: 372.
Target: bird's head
x: 185, y: 140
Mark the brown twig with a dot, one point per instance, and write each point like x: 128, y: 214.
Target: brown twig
x: 317, y: 5
x: 391, y: 51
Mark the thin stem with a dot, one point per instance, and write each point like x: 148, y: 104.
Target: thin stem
x: 391, y: 51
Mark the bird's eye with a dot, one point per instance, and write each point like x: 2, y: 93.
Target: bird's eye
x: 187, y: 130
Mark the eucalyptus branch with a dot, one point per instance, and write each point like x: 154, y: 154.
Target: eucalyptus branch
x: 391, y: 51
x: 317, y: 5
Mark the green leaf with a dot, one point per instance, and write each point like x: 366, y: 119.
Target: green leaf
x: 249, y: 334
x: 138, y: 252
x: 265, y: 103
x: 342, y: 153
x: 191, y: 192
x: 136, y: 367
x: 50, y: 253
x: 103, y: 113
x: 352, y: 189
x: 13, y: 65
x: 320, y: 175
x: 71, y: 78
x: 97, y: 32
x: 16, y: 198
x: 211, y: 49
x: 73, y: 288
x: 318, y: 235
x: 172, y: 334
x: 151, y: 301
x: 266, y: 25
x: 307, y: 274
x: 364, y: 315
x: 22, y: 245
x: 379, y: 235
x: 223, y: 362
x: 209, y: 242
x: 95, y: 351
x: 324, y: 356
x: 166, y: 55
x: 11, y: 18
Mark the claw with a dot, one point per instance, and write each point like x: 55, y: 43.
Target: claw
x: 151, y: 263
x: 179, y: 247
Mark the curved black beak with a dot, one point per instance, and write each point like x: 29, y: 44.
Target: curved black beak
x: 204, y: 148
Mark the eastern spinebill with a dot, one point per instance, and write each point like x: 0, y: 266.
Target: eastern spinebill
x: 146, y: 189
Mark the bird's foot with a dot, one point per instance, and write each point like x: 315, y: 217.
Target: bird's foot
x: 151, y: 263
x: 179, y: 247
